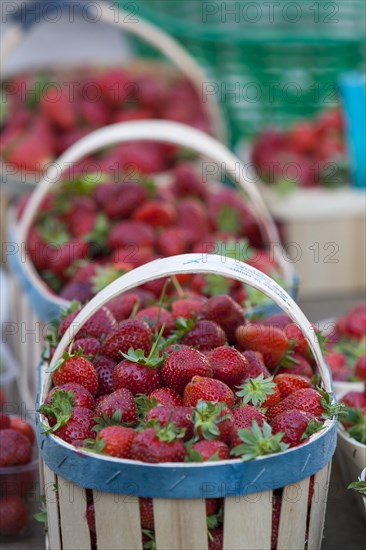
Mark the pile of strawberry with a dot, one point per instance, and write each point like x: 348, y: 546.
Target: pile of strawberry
x: 353, y: 415
x: 16, y: 450
x: 188, y: 380
x: 346, y: 347
x: 90, y: 231
x: 45, y: 113
x: 309, y: 154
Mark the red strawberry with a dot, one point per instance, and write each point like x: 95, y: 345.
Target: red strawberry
x: 132, y: 255
x: 297, y: 340
x: 95, y: 114
x: 270, y: 341
x: 155, y: 213
x: 180, y: 416
x: 120, y: 400
x: 192, y: 217
x: 167, y: 397
x: 138, y: 378
x: 297, y: 364
x: 228, y: 365
x: 209, y: 449
x: 15, y: 448
x: 156, y: 317
x: 206, y: 335
x: 88, y: 346
x: 58, y: 108
x: 143, y: 157
x: 360, y: 368
x: 186, y: 308
x: 34, y: 151
x: 157, y: 445
x: 146, y: 513
x: 279, y: 320
x: 117, y: 440
x: 120, y: 200
x: 113, y: 85
x: 104, y: 361
x: 180, y: 367
x: 276, y: 510
x: 78, y: 427
x: 128, y: 334
x: 187, y: 181
x: 354, y: 399
x: 123, y: 305
x: 307, y: 400
x: 105, y: 379
x: 207, y: 389
x: 173, y: 241
x: 90, y: 518
x: 288, y: 383
x: 4, y: 421
x: 14, y: 515
x: 81, y: 396
x: 293, y: 424
x: 225, y: 312
x: 255, y: 365
x: 76, y: 290
x: 131, y: 233
x: 98, y: 326
x: 77, y: 369
x: 243, y: 416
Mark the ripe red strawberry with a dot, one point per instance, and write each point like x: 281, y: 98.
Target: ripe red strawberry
x: 146, y: 513
x: 15, y: 448
x: 81, y: 396
x: 276, y: 510
x: 212, y: 421
x: 216, y: 539
x: 128, y: 334
x: 207, y: 389
x: 105, y: 379
x: 90, y: 518
x: 209, y: 449
x: 88, y: 346
x: 116, y: 441
x: 4, y: 421
x: 297, y: 364
x: 255, y: 365
x: 354, y: 399
x: 243, y: 416
x: 123, y: 305
x: 58, y: 110
x: 77, y: 369
x: 259, y: 391
x: 155, y: 213
x: 185, y: 308
x: 34, y: 149
x: 279, y: 320
x: 120, y: 400
x: 224, y: 311
x: 338, y: 365
x: 180, y: 416
x: 143, y: 157
x: 131, y: 233
x: 14, y: 515
x: 228, y: 365
x: 292, y: 423
x: 297, y: 340
x: 98, y: 326
x: 187, y: 181
x: 353, y: 323
x: 120, y: 200
x: 206, y: 335
x: 104, y: 361
x: 76, y: 290
x: 158, y: 445
x: 138, y: 378
x: 167, y: 397
x: 360, y: 368
x: 271, y: 342
x: 180, y: 367
x: 192, y: 217
x: 288, y: 383
x: 307, y: 400
x: 93, y: 113
x: 156, y: 317
x: 173, y: 241
x: 78, y: 427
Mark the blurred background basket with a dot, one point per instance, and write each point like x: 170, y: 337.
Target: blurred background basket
x: 267, y: 62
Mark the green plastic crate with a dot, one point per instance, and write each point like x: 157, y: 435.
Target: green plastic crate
x: 268, y: 62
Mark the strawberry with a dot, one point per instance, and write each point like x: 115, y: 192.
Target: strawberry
x: 132, y: 255
x: 156, y: 317
x: 173, y: 241
x: 192, y: 217
x: 127, y: 233
x: 93, y: 113
x: 185, y: 308
x: 90, y: 518
x: 143, y: 157
x: 156, y: 214
x: 255, y: 365
x: 278, y: 320
x: 15, y: 448
x: 354, y: 399
x: 58, y: 110
x: 258, y: 442
x: 187, y: 182
x: 159, y: 444
x: 293, y: 424
x: 105, y: 379
x: 137, y: 377
x: 207, y: 389
x: 98, y: 326
x: 75, y: 368
x: 34, y: 150
x: 120, y: 400
x: 128, y: 334
x: 297, y: 340
x: 243, y: 416
x: 115, y: 441
x: 276, y: 510
x: 216, y: 539
x: 360, y: 368
x: 268, y: 340
x: 307, y: 400
x: 180, y: 416
x: 208, y: 449
x: 212, y: 421
x: 120, y: 200
x: 288, y: 383
x: 224, y: 311
x: 81, y: 396
x: 182, y: 365
x: 4, y: 421
x: 228, y: 365
x: 76, y: 290
x: 88, y: 346
x: 146, y: 513
x: 166, y: 397
x: 259, y: 391
x: 123, y: 305
x: 338, y: 365
x: 206, y: 335
x: 14, y: 515
x: 113, y: 85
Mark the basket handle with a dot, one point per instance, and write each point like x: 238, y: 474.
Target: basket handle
x: 197, y: 263
x: 28, y: 15
x: 160, y: 131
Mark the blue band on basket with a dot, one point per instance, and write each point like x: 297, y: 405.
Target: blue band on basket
x: 188, y: 481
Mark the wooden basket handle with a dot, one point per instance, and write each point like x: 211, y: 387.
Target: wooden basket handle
x: 168, y: 132
x: 196, y: 263
x: 165, y: 44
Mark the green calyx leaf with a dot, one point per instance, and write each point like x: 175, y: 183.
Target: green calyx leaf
x: 54, y: 231
x: 359, y: 486
x: 192, y: 455
x: 67, y: 355
x: 144, y: 404
x: 41, y: 516
x: 114, y: 420
x: 355, y: 423
x: 182, y: 327
x: 155, y: 358
x: 85, y: 184
x: 331, y: 408
x: 61, y: 406
x: 149, y: 543
x: 313, y: 427
x: 352, y: 349
x: 216, y: 285
x: 206, y: 418
x: 94, y: 445
x: 256, y: 390
x: 169, y: 432
x: 99, y: 233
x: 228, y: 220
x: 258, y: 442
x: 106, y: 275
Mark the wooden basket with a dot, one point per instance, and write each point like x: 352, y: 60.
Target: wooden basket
x: 179, y: 489
x: 31, y: 295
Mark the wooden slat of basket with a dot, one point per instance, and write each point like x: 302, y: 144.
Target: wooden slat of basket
x: 172, y: 519
x: 292, y: 528
x: 117, y: 522
x: 247, y: 522
x: 72, y: 505
x: 318, y: 505
x: 53, y: 521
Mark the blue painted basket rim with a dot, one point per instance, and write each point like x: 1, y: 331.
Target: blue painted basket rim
x: 188, y: 480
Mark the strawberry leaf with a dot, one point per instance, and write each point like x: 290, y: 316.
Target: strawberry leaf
x: 313, y: 427
x: 256, y: 390
x: 258, y: 442
x: 61, y: 406
x: 359, y: 486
